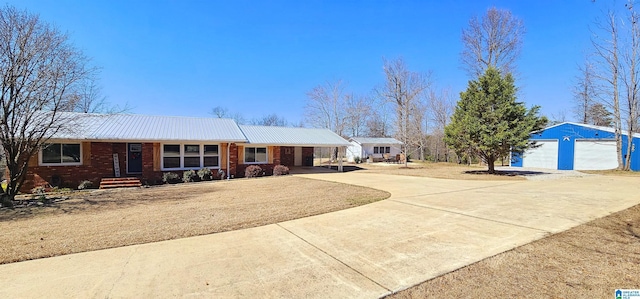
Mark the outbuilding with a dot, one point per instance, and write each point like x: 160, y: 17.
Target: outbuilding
x: 574, y: 146
x: 374, y: 148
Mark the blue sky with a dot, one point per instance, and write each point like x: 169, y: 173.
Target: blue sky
x: 261, y: 57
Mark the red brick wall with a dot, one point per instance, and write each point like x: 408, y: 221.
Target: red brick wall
x: 276, y: 154
x: 100, y: 166
x: 286, y: 156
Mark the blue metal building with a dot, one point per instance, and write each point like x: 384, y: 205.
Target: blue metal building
x: 573, y: 146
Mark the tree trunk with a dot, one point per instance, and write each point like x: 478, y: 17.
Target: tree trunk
x: 491, y: 164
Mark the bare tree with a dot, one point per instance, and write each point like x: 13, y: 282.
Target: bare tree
x: 607, y: 54
x: 358, y: 110
x: 40, y: 73
x: 493, y: 40
x: 557, y: 117
x: 584, y: 92
x: 419, y: 123
x: 403, y: 88
x: 378, y: 123
x: 88, y: 98
x: 441, y: 108
x: 270, y: 120
x: 326, y: 107
x: 598, y: 115
x: 220, y: 112
x: 223, y: 112
x: 630, y: 75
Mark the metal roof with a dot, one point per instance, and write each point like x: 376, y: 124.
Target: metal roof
x: 606, y: 129
x: 130, y: 127
x: 288, y: 136
x: 375, y: 140
x: 135, y: 127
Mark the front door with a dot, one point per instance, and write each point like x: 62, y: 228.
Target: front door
x: 134, y: 158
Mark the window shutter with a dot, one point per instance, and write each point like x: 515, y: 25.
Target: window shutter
x: 86, y: 153
x: 240, y: 154
x: 156, y: 157
x: 270, y: 152
x: 223, y: 155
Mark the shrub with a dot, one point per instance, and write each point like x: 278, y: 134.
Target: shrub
x: 253, y: 171
x: 190, y: 176
x: 205, y: 174
x: 170, y: 177
x: 220, y: 174
x: 280, y: 170
x: 85, y: 185
x: 357, y: 160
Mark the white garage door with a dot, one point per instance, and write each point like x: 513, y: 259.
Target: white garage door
x: 595, y: 155
x: 543, y: 156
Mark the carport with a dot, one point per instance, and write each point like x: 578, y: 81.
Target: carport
x: 296, y: 144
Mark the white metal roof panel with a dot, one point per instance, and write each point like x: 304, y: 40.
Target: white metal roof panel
x: 150, y: 128
x: 375, y: 140
x: 288, y: 136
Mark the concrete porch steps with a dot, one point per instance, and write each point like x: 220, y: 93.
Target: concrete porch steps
x: 107, y: 183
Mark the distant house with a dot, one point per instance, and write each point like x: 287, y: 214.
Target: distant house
x: 127, y: 145
x: 375, y: 148
x: 573, y: 146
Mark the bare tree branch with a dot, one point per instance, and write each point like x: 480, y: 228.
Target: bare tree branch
x: 40, y: 73
x: 494, y: 40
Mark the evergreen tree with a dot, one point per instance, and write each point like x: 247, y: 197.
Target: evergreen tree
x: 489, y: 122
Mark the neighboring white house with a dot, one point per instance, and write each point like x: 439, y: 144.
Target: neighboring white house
x: 363, y: 147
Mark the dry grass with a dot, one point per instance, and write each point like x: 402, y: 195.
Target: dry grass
x: 613, y: 172
x: 588, y: 261
x: 439, y: 170
x: 114, y: 218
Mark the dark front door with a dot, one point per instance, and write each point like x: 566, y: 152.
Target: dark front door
x: 134, y: 158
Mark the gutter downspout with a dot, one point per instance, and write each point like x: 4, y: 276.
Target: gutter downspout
x: 228, y: 161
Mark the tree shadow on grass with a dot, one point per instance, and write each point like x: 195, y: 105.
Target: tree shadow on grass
x: 510, y: 173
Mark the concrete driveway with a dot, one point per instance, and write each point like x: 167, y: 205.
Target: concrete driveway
x: 428, y: 227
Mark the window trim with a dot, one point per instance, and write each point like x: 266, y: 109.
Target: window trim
x: 244, y: 158
x: 41, y: 163
x: 182, y: 155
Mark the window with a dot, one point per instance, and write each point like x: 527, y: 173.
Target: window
x: 255, y: 155
x: 171, y: 156
x: 211, y: 156
x: 381, y: 149
x: 190, y: 156
x: 61, y: 154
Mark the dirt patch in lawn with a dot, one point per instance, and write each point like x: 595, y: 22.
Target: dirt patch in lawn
x: 113, y: 218
x: 440, y: 170
x: 588, y: 261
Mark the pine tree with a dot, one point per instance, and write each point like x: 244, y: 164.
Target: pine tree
x: 489, y: 122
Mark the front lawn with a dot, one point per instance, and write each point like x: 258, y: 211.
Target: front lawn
x: 112, y: 218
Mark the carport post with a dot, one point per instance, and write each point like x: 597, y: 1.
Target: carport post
x: 340, y: 151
